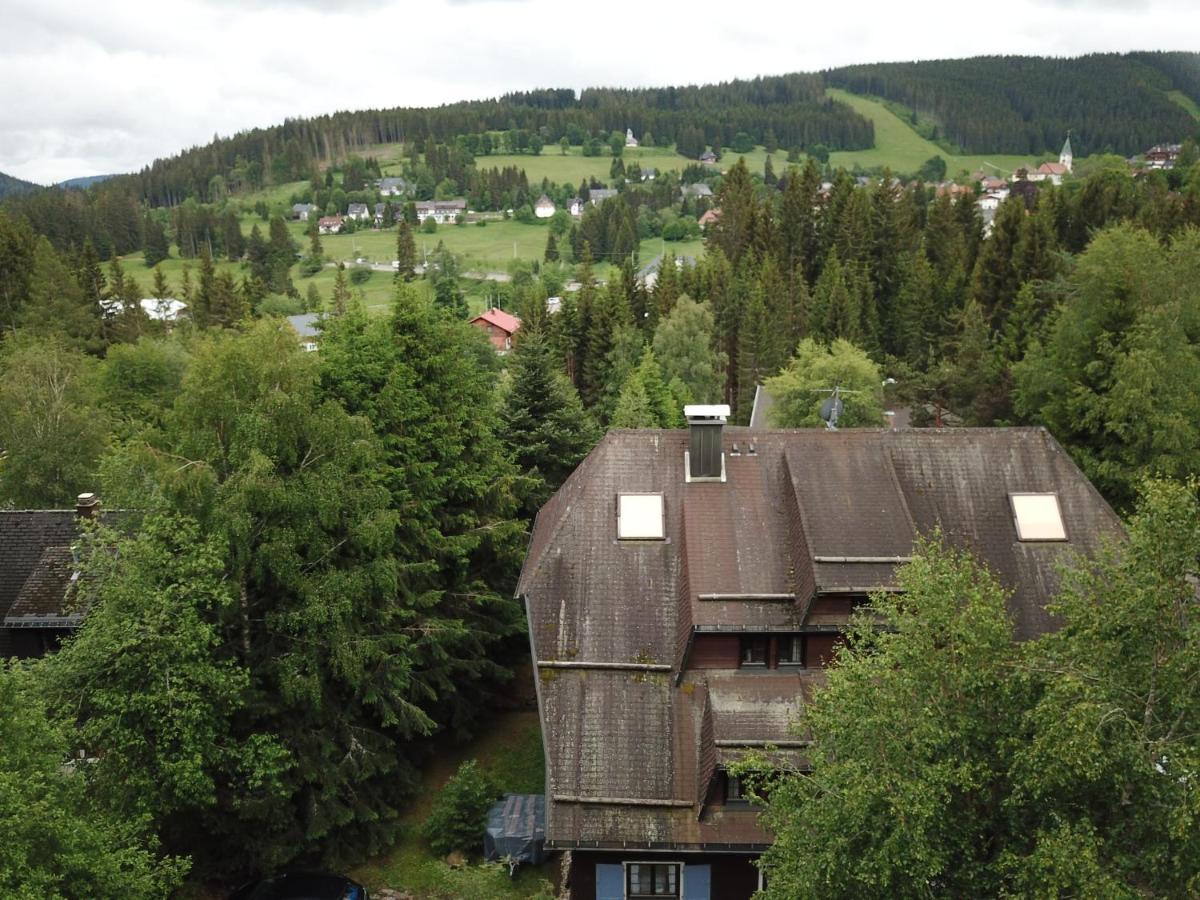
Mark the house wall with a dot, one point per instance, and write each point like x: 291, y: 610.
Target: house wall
x: 715, y: 651
x: 819, y: 649
x: 734, y: 876
x: 723, y: 651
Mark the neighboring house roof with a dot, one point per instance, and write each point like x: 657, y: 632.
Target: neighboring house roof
x: 807, y: 513
x: 710, y: 216
x: 37, y: 567
x: 596, y: 195
x: 505, y: 321
x: 302, y: 207
x: 387, y: 184
x: 356, y: 209
x: 329, y: 220
x: 544, y: 201
x: 1052, y: 168
x: 306, y: 326
x: 699, y: 189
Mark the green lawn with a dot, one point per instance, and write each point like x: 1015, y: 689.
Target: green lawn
x: 1185, y: 101
x: 510, y: 749
x: 903, y: 150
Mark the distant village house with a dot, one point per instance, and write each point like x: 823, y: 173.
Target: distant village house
x: 329, y: 224
x: 499, y: 327
x: 301, y: 211
x: 441, y: 211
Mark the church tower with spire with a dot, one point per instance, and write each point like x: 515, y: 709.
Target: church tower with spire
x: 1065, y: 157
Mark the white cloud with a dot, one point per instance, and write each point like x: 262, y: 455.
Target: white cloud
x: 109, y: 86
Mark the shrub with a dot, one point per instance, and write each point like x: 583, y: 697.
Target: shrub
x: 459, y: 812
x: 429, y: 226
x: 360, y: 275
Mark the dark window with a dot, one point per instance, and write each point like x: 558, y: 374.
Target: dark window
x: 652, y: 880
x: 791, y: 650
x: 734, y: 793
x: 754, y: 650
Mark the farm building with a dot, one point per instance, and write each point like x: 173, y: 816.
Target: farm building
x: 329, y: 224
x: 596, y: 196
x: 441, y: 211
x: 357, y: 211
x: 499, y: 327
x: 685, y: 590
x: 302, y: 211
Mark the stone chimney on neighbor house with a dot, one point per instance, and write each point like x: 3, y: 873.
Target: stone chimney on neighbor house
x: 705, y: 461
x: 87, y: 506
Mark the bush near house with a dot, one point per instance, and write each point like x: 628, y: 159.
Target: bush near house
x: 459, y: 813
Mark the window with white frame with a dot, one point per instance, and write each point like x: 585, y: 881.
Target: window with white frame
x: 651, y: 880
x: 640, y: 517
x: 1038, y: 517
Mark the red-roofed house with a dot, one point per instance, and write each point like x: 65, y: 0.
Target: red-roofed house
x: 500, y: 327
x: 710, y: 217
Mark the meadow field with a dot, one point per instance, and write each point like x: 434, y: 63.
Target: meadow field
x: 901, y: 149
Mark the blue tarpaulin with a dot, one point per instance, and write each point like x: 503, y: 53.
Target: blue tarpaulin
x: 516, y: 830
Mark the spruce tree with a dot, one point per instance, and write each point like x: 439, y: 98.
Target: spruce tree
x: 155, y: 247
x: 551, y: 254
x: 341, y: 291
x: 543, y: 422
x: 406, y: 252
x: 161, y: 289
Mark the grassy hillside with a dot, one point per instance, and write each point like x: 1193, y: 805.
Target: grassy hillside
x: 900, y: 148
x: 1109, y: 102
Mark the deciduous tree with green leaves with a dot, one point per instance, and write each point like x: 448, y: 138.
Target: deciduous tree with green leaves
x: 810, y: 376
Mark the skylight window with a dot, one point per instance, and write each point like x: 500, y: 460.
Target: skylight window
x: 640, y: 517
x: 1038, y: 517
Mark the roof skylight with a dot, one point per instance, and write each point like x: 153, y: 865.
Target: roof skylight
x: 1038, y: 517
x: 640, y: 517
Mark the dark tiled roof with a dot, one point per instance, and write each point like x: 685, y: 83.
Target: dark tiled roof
x: 25, y: 536
x: 47, y: 597
x: 630, y: 751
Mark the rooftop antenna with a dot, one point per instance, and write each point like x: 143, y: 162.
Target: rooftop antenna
x: 832, y: 408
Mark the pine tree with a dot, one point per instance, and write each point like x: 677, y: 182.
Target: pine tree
x: 756, y: 354
x: 646, y: 400
x: 551, y: 254
x: 312, y: 299
x: 161, y: 289
x: 226, y: 304
x: 995, y: 280
x: 341, y: 292
x: 543, y: 422
x: 769, y: 177
x: 406, y: 252
x: 666, y: 286
x: 201, y: 311
x: 734, y: 231
x: 155, y: 247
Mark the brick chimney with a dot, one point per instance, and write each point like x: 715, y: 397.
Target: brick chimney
x: 87, y: 506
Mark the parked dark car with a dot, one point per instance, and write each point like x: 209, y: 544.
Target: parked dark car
x: 302, y: 886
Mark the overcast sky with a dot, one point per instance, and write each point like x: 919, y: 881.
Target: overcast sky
x: 89, y: 88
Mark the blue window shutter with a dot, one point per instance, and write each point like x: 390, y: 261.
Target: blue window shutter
x: 697, y: 882
x: 610, y: 881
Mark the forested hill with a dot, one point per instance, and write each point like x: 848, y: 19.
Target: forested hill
x: 10, y: 186
x: 793, y: 108
x: 1013, y: 104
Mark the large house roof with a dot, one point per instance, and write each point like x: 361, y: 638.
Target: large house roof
x: 802, y: 514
